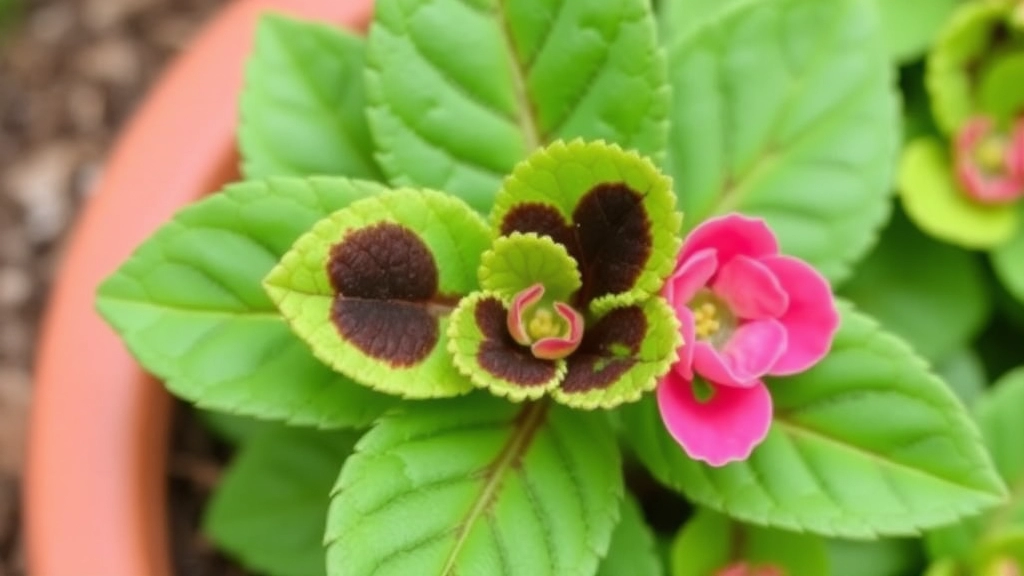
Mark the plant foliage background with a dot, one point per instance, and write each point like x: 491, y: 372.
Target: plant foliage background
x: 794, y: 111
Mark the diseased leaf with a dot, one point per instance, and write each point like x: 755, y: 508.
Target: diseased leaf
x: 999, y: 416
x: 624, y: 354
x: 935, y: 203
x: 190, y: 308
x: 477, y: 485
x: 836, y: 461
x: 969, y: 36
x: 269, y: 510
x: 931, y: 294
x: 303, y: 107
x: 786, y: 110
x: 516, y: 262
x: 611, y: 209
x: 575, y: 68
x: 1008, y: 261
x: 633, y: 551
x: 371, y: 286
x: 711, y: 541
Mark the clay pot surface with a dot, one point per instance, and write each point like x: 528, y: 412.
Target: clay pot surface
x: 95, y: 486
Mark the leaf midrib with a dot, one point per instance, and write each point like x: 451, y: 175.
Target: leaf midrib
x: 268, y: 314
x: 526, y: 424
x: 524, y: 108
x: 796, y: 430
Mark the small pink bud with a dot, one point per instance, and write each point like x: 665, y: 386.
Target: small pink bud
x: 990, y: 163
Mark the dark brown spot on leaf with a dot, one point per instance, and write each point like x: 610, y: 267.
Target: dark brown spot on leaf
x: 385, y: 281
x: 401, y: 333
x: 383, y: 262
x: 614, y: 237
x: 608, y: 350
x: 610, y: 236
x: 502, y: 356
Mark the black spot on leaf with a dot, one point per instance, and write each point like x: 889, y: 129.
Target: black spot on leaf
x: 502, y: 356
x: 608, y: 350
x: 385, y: 281
x: 609, y: 236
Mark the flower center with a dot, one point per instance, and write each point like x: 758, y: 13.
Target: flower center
x: 712, y: 318
x: 552, y: 330
x: 990, y: 154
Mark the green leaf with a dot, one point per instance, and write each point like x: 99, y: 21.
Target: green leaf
x: 633, y: 551
x: 886, y: 557
x: 935, y: 203
x: 1002, y: 93
x: 456, y: 111
x: 910, y: 26
x: 1008, y: 261
x: 303, y: 107
x: 967, y: 40
x: 624, y: 354
x: 371, y: 286
x: 711, y: 541
x: 835, y: 461
x: 999, y: 416
x: 964, y: 371
x: 188, y: 303
x: 786, y: 110
x: 931, y: 294
x: 232, y: 428
x: 611, y: 209
x: 477, y: 485
x: 678, y: 18
x: 270, y: 508
x: 516, y: 262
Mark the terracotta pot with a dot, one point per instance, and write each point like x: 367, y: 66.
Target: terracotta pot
x: 95, y: 480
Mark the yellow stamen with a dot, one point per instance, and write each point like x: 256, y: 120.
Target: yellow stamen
x: 705, y: 320
x: 990, y: 154
x: 543, y: 325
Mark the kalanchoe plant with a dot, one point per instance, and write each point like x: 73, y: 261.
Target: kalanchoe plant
x: 500, y: 264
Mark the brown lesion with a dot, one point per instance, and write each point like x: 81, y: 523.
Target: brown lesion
x: 386, y: 301
x: 609, y: 236
x: 609, y: 350
x: 502, y: 356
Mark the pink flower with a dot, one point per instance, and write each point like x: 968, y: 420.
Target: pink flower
x: 746, y: 312
x: 744, y: 569
x: 990, y: 164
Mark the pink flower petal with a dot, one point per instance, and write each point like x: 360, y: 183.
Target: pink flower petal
x: 1015, y: 151
x: 811, y: 321
x: 520, y: 302
x: 750, y: 289
x: 731, y: 235
x: 690, y: 276
x: 979, y: 185
x: 684, y: 366
x: 751, y: 352
x: 723, y: 429
x: 985, y: 188
x: 554, y: 348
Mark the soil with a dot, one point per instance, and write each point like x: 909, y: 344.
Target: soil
x: 71, y: 72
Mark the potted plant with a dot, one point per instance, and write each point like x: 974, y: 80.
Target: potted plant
x: 499, y: 265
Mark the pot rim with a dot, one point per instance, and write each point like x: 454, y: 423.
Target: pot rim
x: 95, y: 486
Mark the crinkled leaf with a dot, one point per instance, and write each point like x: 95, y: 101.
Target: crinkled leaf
x: 477, y: 485
x: 910, y: 26
x: 836, y: 461
x: 633, y: 551
x: 1008, y: 261
x: 303, y: 107
x: 624, y: 353
x: 935, y: 203
x: 968, y: 38
x: 483, y: 351
x: 786, y: 110
x: 519, y: 261
x: 190, y: 308
x: 1001, y: 93
x: 612, y: 209
x: 711, y: 541
x: 931, y: 294
x: 371, y: 286
x: 269, y: 510
x: 461, y: 91
x: 999, y: 416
